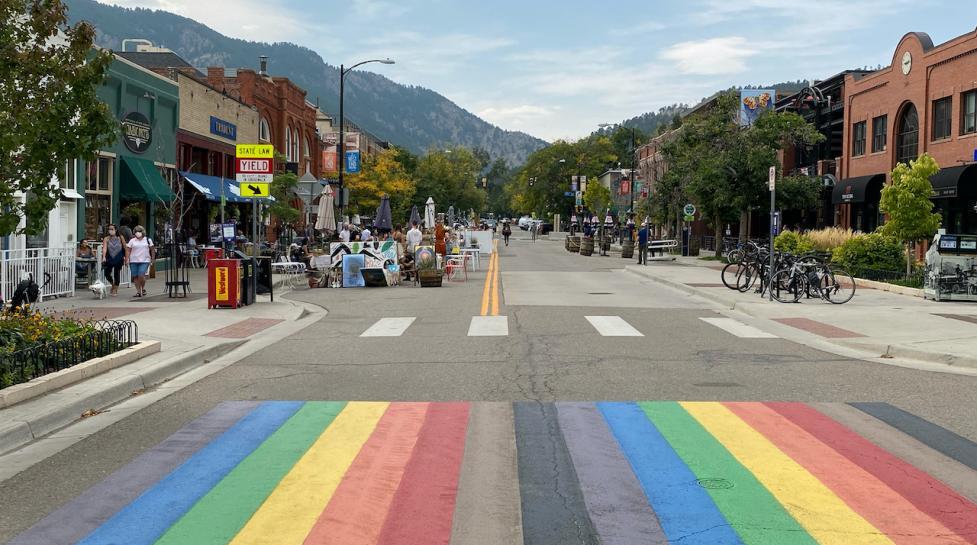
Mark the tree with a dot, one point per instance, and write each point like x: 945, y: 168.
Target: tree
x: 597, y: 197
x: 283, y: 185
x: 906, y: 202
x: 48, y: 107
x: 449, y: 177
x: 382, y: 174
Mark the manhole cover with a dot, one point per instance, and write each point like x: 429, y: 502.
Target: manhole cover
x: 600, y: 293
x: 714, y: 484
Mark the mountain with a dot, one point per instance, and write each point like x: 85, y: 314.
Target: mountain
x: 410, y: 116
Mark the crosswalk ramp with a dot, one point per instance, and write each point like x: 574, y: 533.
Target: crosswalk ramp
x: 605, y: 326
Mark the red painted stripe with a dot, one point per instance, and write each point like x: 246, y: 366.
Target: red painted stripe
x: 358, y: 507
x: 819, y: 328
x: 872, y: 499
x: 926, y: 493
x: 424, y: 505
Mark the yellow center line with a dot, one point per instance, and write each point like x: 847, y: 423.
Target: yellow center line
x: 495, y: 280
x: 487, y: 291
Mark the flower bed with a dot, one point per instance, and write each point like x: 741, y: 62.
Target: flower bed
x: 36, y: 344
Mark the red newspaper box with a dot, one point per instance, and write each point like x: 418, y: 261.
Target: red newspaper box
x: 213, y: 253
x: 224, y: 283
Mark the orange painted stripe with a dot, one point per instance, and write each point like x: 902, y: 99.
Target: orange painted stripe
x: 357, y: 510
x: 881, y: 506
x: 424, y: 505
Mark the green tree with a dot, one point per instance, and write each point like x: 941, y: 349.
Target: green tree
x: 449, y: 177
x: 282, y: 188
x: 48, y: 107
x: 906, y: 202
x: 382, y: 174
x: 597, y: 198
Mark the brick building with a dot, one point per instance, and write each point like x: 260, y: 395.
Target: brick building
x: 285, y: 118
x: 924, y: 102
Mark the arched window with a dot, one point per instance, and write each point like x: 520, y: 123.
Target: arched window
x: 288, y: 144
x: 907, y: 135
x: 307, y: 154
x: 295, y: 146
x: 264, y: 131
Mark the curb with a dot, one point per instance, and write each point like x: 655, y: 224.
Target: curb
x: 65, y: 377
x: 724, y: 301
x: 884, y: 286
x: 15, y: 434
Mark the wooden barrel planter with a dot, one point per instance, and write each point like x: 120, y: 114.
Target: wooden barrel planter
x: 573, y: 244
x: 627, y: 249
x: 587, y: 246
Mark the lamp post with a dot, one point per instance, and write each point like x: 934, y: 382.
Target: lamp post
x: 341, y: 150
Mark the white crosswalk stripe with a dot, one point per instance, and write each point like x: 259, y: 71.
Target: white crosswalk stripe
x: 489, y: 326
x: 613, y: 326
x: 389, y: 327
x: 739, y: 329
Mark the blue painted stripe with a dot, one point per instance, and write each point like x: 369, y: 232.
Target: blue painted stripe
x: 144, y: 520
x: 686, y: 512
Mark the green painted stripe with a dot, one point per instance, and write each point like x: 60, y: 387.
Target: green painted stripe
x: 220, y: 515
x: 755, y: 515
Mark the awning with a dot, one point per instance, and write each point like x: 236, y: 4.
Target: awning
x: 852, y: 190
x: 946, y: 182
x: 141, y: 181
x: 210, y: 187
x: 71, y: 194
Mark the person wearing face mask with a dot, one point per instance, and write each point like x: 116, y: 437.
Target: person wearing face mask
x: 113, y: 257
x: 140, y: 254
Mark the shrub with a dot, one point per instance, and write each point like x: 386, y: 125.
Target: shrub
x: 793, y: 242
x: 867, y: 254
x: 829, y: 238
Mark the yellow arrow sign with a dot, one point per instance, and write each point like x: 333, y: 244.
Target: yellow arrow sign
x: 255, y: 151
x: 254, y: 190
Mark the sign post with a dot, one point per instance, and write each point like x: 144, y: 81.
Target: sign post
x: 255, y: 170
x: 772, y: 182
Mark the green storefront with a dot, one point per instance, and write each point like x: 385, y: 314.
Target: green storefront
x: 133, y: 177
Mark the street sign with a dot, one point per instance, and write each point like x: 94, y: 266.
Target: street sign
x: 568, y: 193
x: 256, y: 190
x: 251, y: 178
x: 776, y: 223
x: 258, y: 166
x: 579, y: 198
x: 255, y: 151
x: 689, y: 217
x: 689, y: 209
x: 772, y: 181
x: 353, y: 161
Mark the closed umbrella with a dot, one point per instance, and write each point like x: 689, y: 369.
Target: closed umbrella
x: 415, y: 216
x: 326, y: 219
x: 384, y: 220
x: 429, y: 213
x: 451, y: 215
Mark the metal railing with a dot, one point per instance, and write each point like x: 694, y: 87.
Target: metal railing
x: 59, y: 263
x: 107, y: 337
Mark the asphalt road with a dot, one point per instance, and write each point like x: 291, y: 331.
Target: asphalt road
x: 552, y: 352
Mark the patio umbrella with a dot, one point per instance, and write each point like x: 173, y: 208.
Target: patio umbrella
x: 451, y: 215
x: 326, y: 218
x: 429, y: 213
x: 384, y: 220
x: 415, y: 217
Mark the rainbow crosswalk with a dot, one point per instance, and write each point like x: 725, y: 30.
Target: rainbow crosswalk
x: 628, y: 473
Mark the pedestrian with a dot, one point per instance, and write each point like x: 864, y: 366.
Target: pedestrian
x: 344, y: 234
x: 141, y: 254
x: 506, y: 232
x: 440, y: 245
x: 532, y: 229
x: 643, y: 245
x: 113, y: 257
x: 365, y: 234
x: 414, y: 237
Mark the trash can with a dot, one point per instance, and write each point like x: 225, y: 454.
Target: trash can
x: 224, y: 283
x: 265, y: 283
x: 247, y: 285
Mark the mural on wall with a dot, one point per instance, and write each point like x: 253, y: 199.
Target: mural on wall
x: 376, y: 254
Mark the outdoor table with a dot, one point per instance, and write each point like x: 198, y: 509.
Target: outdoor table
x: 90, y: 263
x: 475, y: 255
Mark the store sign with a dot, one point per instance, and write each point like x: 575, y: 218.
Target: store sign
x: 137, y: 132
x: 849, y: 195
x: 224, y: 129
x: 222, y: 289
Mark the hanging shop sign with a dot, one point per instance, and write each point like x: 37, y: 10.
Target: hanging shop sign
x: 137, y: 132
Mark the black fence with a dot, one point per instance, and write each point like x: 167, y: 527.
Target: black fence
x: 912, y: 280
x: 108, y: 336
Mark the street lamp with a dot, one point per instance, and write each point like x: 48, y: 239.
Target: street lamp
x: 341, y: 151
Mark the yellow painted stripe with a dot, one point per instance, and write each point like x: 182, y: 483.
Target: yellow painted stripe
x: 819, y: 510
x: 487, y: 291
x: 495, y: 280
x: 293, y: 507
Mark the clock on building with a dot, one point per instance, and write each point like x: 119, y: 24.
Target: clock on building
x: 907, y: 63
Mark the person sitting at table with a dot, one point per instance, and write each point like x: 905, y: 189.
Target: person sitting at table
x: 84, y: 252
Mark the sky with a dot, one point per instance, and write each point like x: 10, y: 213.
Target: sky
x: 558, y: 69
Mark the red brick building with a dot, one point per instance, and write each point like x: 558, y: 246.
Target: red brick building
x: 285, y: 118
x: 924, y: 102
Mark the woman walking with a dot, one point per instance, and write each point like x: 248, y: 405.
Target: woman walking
x: 113, y: 257
x: 506, y: 232
x: 141, y: 254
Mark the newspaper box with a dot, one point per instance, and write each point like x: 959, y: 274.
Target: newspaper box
x: 951, y: 268
x: 224, y: 283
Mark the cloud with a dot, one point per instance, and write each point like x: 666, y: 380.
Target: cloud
x: 519, y: 116
x: 638, y: 28
x: 374, y: 8
x: 715, y: 56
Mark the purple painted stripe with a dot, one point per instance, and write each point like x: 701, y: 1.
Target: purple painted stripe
x: 613, y: 496
x: 82, y: 515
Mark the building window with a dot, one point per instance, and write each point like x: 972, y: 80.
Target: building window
x: 879, y: 133
x: 858, y: 142
x: 67, y: 176
x: 308, y: 155
x: 907, y: 137
x: 295, y: 146
x: 942, y: 110
x: 288, y: 144
x: 264, y: 131
x: 968, y: 107
x: 98, y: 177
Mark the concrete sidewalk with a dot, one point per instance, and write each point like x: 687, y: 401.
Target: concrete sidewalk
x: 874, y: 323
x: 190, y: 337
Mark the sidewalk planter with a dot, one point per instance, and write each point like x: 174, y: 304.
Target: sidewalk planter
x: 627, y: 249
x: 587, y: 246
x: 108, y: 336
